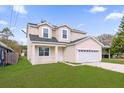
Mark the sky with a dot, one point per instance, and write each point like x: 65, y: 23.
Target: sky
x: 95, y: 20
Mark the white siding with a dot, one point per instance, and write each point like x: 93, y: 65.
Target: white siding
x: 45, y: 59
x: 69, y: 54
x: 75, y: 35
x: 49, y: 31
x: 90, y: 44
x: 59, y: 34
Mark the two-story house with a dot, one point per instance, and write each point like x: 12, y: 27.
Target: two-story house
x: 48, y: 43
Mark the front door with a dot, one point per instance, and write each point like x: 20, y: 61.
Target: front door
x: 60, y: 54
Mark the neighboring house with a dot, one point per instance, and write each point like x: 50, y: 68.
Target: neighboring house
x: 23, y: 50
x: 4, y: 50
x: 48, y: 43
x: 106, y: 53
x: 106, y: 40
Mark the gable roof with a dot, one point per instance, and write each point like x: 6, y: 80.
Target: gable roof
x: 54, y: 40
x: 44, y: 23
x: 65, y: 25
x: 84, y: 39
x: 106, y: 44
x: 78, y: 31
x: 77, y: 40
x: 5, y: 46
x: 56, y: 27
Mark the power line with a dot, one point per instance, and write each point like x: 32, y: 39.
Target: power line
x: 16, y: 17
x: 11, y: 16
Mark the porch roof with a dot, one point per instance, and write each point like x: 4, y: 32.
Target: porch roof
x: 37, y: 38
x: 53, y: 40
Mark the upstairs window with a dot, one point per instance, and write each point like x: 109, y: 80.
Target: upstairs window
x: 64, y: 34
x: 45, y: 32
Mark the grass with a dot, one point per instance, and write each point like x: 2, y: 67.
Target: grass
x: 116, y: 61
x: 57, y: 75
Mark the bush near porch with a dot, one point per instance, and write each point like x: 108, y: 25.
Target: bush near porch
x: 57, y: 75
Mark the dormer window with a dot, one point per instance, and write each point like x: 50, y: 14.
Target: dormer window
x: 64, y: 34
x: 45, y: 32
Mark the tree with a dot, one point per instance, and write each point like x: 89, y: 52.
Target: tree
x: 106, y: 39
x: 118, y: 40
x: 12, y: 44
x: 7, y: 32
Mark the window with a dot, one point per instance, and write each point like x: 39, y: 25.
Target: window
x: 64, y: 34
x: 45, y: 32
x: 43, y: 51
x: 88, y: 50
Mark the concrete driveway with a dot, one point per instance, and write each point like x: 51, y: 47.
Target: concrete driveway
x: 108, y: 66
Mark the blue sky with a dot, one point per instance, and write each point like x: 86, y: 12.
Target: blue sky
x: 95, y: 20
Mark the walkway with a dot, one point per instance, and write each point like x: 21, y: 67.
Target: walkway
x: 108, y: 66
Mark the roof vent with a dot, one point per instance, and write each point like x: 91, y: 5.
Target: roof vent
x: 43, y: 21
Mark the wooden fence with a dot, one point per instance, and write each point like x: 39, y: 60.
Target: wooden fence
x: 12, y: 58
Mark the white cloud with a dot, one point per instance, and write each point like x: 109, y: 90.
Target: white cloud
x: 114, y: 15
x: 80, y: 25
x: 2, y: 22
x: 20, y: 9
x: 96, y: 9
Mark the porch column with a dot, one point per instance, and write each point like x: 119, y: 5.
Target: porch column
x: 56, y: 53
x: 33, y: 54
x: 109, y: 54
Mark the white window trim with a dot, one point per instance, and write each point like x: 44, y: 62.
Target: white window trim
x: 48, y: 32
x: 44, y: 47
x: 62, y: 34
x: 45, y: 33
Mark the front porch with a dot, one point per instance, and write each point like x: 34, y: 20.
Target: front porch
x: 47, y: 53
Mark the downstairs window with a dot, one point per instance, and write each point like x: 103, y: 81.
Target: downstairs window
x: 43, y: 51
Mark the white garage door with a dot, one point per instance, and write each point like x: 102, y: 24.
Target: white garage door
x: 85, y: 55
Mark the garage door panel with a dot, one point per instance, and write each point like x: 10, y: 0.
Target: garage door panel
x: 84, y: 55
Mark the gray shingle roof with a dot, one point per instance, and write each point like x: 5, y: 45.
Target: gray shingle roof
x: 32, y: 24
x: 54, y: 26
x: 78, y: 31
x: 77, y: 40
x: 37, y: 38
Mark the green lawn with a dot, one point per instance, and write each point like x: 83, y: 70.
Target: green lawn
x: 117, y: 61
x: 57, y: 75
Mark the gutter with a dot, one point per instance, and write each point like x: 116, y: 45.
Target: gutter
x: 48, y: 42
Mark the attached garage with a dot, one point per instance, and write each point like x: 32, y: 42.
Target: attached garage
x: 88, y: 50
x: 88, y: 55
